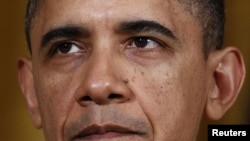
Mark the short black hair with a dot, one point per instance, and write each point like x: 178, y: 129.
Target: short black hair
x: 210, y: 14
x: 31, y: 11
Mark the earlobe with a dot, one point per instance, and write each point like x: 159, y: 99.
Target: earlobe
x: 25, y: 79
x: 228, y: 74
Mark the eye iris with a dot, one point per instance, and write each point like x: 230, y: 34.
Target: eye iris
x: 65, y: 47
x: 141, y: 42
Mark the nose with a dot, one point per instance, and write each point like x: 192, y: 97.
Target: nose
x: 102, y: 82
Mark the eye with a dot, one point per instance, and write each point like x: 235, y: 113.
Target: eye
x: 143, y: 42
x: 66, y: 48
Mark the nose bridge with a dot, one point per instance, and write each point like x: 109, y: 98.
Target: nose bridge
x: 100, y: 68
x: 102, y: 83
x: 101, y: 64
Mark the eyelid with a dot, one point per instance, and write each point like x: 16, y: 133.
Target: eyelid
x: 74, y: 49
x: 53, y: 49
x: 159, y: 41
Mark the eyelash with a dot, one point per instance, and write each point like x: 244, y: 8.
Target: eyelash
x: 55, y: 47
x: 158, y: 41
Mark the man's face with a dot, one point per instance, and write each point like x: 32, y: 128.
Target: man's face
x: 118, y: 70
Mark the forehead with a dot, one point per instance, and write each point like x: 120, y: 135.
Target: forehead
x: 169, y: 13
x: 68, y: 10
x: 93, y: 8
x: 107, y: 4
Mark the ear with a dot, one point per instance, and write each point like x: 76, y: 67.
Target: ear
x: 25, y: 79
x: 228, y: 73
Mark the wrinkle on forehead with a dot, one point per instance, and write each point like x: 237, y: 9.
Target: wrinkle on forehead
x: 94, y: 12
x: 53, y: 12
x: 103, y: 7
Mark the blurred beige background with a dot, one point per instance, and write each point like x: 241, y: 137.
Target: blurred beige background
x: 15, y: 123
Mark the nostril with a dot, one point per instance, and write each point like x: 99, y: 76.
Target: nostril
x: 86, y: 98
x: 114, y: 96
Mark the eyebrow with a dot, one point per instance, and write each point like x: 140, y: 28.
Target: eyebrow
x: 146, y: 26
x: 64, y: 32
x: 133, y: 27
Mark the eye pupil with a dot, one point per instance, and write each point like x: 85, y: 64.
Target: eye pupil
x: 65, y: 47
x: 141, y: 42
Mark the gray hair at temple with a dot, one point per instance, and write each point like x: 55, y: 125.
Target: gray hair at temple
x: 210, y: 14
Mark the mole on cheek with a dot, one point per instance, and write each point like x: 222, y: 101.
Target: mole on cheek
x: 142, y: 73
x: 125, y: 81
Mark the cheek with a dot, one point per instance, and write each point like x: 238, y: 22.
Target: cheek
x: 171, y: 99
x: 55, y: 94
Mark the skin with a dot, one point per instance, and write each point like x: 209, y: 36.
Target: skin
x: 105, y: 81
